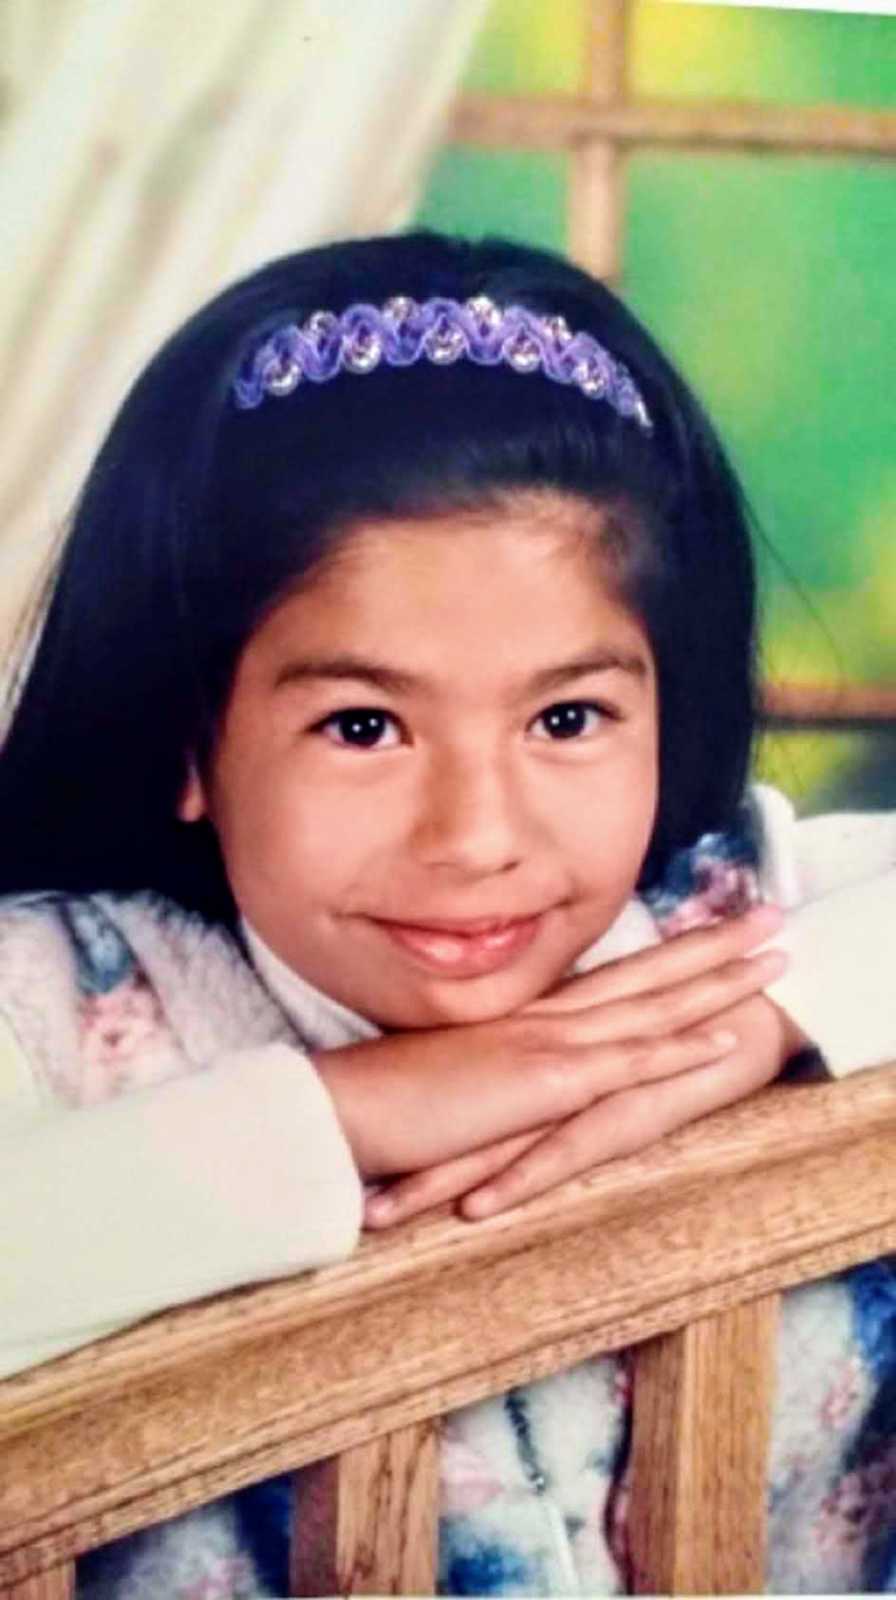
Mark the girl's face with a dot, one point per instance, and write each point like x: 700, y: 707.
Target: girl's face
x: 437, y: 774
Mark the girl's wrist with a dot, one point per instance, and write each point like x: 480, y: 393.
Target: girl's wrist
x: 331, y: 1068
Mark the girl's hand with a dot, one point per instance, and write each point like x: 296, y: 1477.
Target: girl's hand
x: 512, y: 1170
x: 415, y: 1100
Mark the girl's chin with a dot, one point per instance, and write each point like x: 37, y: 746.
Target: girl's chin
x: 442, y: 1003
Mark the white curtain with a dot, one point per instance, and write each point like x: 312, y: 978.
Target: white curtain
x: 153, y: 151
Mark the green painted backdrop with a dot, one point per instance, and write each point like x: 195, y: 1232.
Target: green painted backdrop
x: 772, y: 281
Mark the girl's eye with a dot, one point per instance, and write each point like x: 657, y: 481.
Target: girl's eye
x: 363, y: 727
x: 569, y: 719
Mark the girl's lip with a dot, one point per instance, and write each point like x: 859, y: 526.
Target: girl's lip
x: 464, y: 950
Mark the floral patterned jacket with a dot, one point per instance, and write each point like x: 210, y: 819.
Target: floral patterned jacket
x: 533, y: 1484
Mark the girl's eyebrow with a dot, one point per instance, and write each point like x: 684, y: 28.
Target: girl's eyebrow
x: 380, y: 676
x: 395, y: 681
x: 599, y: 660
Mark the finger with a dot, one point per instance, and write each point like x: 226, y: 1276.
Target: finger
x: 663, y: 965
x: 618, y: 1126
x: 565, y: 1083
x: 407, y: 1197
x: 662, y: 1012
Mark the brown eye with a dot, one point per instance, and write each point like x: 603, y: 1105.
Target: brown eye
x: 569, y: 719
x: 364, y: 727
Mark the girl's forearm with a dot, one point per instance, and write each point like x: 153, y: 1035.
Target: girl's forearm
x: 121, y: 1210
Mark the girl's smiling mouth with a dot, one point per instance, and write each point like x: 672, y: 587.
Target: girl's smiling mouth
x: 465, y: 950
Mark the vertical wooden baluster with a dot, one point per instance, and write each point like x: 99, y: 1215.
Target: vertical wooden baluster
x: 366, y: 1522
x: 699, y: 1454
x: 57, y: 1583
x: 596, y: 201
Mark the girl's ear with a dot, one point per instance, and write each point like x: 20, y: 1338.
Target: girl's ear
x: 191, y: 806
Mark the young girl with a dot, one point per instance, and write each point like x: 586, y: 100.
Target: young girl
x: 394, y: 704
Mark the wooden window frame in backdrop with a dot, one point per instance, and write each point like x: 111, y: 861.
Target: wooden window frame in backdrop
x: 597, y: 129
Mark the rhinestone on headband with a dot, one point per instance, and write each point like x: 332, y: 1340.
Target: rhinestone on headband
x: 441, y: 331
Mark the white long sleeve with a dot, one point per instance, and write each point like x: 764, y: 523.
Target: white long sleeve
x: 841, y: 984
x: 231, y: 1175
x: 836, y: 878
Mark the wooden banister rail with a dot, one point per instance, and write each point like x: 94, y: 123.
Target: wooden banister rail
x: 681, y: 1250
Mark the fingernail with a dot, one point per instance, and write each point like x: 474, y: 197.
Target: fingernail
x: 380, y: 1208
x: 771, y: 960
x: 765, y: 915
x: 723, y: 1040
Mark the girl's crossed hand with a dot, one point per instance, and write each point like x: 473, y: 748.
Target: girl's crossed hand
x: 504, y: 1174
x: 601, y: 1067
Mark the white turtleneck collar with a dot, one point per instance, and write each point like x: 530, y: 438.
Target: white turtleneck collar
x: 325, y: 1024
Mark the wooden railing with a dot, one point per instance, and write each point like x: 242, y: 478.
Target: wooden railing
x: 346, y: 1371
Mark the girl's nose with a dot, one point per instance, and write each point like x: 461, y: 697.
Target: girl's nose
x: 470, y: 817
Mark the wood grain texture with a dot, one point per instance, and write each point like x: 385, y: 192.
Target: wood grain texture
x: 594, y: 222
x: 596, y: 165
x: 561, y: 122
x: 366, y: 1522
x: 828, y: 705
x: 798, y: 1182
x: 606, y: 51
x: 700, y: 1439
x: 54, y: 1583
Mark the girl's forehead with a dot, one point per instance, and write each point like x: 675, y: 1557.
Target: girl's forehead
x: 521, y: 578
x: 533, y: 537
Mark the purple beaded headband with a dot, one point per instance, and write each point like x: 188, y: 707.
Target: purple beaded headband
x: 441, y: 331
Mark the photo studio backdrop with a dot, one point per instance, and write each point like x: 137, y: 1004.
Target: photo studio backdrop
x: 732, y: 170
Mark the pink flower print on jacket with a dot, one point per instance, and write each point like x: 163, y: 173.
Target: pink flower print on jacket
x: 860, y: 1509
x: 125, y: 1041
x: 466, y: 1481
x: 725, y: 891
x: 714, y: 878
x: 846, y: 1394
x: 231, y: 1579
